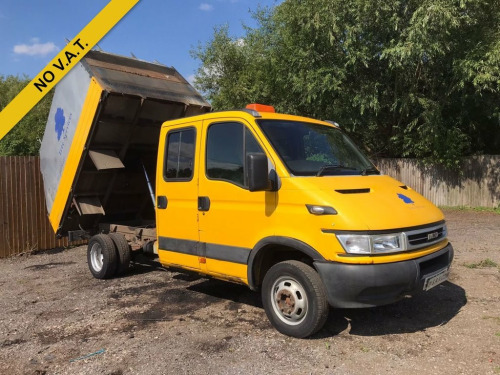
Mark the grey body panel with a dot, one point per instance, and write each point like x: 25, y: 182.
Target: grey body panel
x: 64, y: 113
x: 136, y: 77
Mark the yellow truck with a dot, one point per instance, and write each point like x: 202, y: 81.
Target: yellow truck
x: 284, y: 204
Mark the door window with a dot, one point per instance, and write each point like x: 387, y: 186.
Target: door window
x: 228, y: 144
x: 179, y: 160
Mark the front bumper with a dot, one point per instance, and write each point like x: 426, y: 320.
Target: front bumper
x: 368, y: 285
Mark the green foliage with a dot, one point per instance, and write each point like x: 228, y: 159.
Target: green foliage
x: 486, y: 263
x: 406, y: 78
x: 26, y: 136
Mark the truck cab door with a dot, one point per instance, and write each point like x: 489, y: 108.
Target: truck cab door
x: 177, y: 196
x: 232, y: 219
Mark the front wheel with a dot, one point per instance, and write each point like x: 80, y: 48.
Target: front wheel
x: 294, y: 299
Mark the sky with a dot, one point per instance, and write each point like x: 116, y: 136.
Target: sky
x: 33, y: 31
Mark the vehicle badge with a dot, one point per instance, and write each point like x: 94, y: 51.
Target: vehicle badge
x: 432, y: 236
x: 404, y: 198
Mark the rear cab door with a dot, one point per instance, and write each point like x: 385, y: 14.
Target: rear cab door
x: 176, y: 195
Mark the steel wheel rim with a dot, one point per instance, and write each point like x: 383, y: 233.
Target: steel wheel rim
x: 96, y: 257
x: 289, y: 300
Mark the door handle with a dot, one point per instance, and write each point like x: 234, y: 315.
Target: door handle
x: 203, y: 203
x: 161, y: 202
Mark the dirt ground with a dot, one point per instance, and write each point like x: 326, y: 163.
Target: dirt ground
x: 57, y: 319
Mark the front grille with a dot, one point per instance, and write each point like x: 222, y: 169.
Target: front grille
x: 428, y: 236
x: 425, y: 237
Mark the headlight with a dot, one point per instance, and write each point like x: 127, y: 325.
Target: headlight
x: 372, y: 244
x: 355, y: 244
x: 386, y: 243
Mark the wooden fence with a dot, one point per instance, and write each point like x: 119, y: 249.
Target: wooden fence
x: 24, y: 226
x: 477, y: 185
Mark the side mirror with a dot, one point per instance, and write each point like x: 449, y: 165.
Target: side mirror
x: 257, y: 172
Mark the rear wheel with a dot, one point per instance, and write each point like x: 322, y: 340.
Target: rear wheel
x: 294, y: 299
x: 101, y: 256
x: 123, y: 252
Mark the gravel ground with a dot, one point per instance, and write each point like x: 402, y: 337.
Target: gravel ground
x: 57, y: 319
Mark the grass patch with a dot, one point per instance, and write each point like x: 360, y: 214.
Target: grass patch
x: 486, y: 263
x: 494, y: 318
x: 473, y: 209
x: 497, y: 334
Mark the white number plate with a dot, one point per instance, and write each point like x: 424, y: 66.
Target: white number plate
x: 437, y: 279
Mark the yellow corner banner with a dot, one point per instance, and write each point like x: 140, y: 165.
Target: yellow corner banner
x: 56, y: 69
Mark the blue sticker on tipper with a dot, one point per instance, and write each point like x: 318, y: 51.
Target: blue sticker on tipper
x: 60, y: 120
x: 404, y: 198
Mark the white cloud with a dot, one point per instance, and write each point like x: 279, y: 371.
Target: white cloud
x: 206, y: 7
x: 190, y: 79
x: 35, y: 48
x: 214, y: 70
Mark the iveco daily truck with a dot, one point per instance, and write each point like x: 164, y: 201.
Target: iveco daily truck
x: 133, y: 159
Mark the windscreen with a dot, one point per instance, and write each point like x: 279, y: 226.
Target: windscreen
x: 309, y: 149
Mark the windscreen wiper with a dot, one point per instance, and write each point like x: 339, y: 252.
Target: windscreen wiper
x: 369, y: 170
x: 333, y: 167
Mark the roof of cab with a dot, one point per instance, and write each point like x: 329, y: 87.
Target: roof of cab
x: 248, y: 114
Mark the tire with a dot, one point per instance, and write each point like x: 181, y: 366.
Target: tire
x: 294, y: 299
x: 101, y: 256
x: 123, y: 252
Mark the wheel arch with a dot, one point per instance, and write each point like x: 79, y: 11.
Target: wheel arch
x: 273, y: 249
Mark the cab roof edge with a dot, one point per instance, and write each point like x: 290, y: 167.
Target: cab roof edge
x: 333, y: 123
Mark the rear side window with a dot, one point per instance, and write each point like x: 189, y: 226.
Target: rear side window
x: 179, y: 155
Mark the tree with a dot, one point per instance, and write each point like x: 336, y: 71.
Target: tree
x: 406, y: 78
x: 25, y: 138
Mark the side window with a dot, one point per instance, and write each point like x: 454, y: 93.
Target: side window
x: 179, y: 155
x: 251, y: 144
x: 227, y: 146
